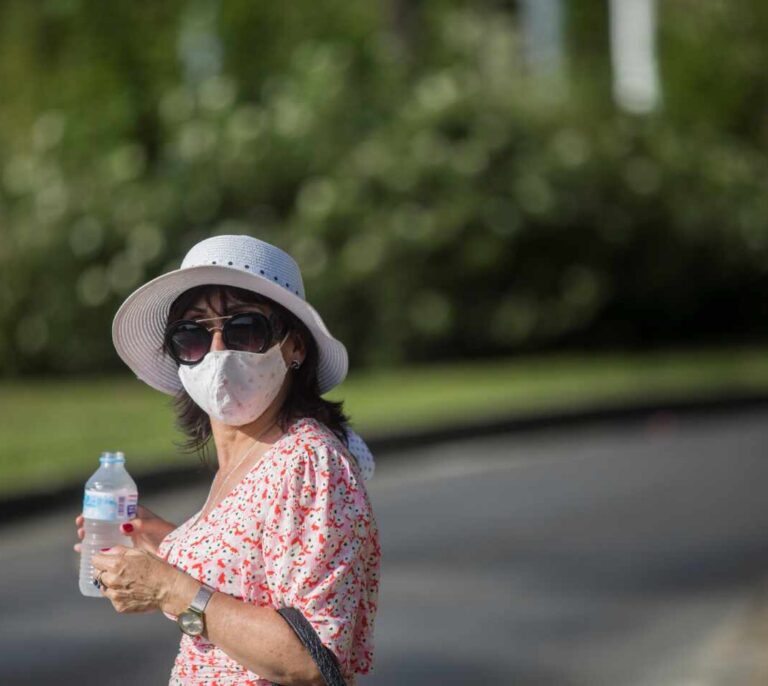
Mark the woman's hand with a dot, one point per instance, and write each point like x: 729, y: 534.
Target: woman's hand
x: 135, y: 580
x: 146, y: 530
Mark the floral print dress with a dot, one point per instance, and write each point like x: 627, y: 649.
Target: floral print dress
x: 299, y: 531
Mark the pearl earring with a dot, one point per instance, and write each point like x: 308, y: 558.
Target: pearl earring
x: 295, y: 364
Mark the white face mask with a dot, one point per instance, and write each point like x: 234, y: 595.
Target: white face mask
x: 235, y: 386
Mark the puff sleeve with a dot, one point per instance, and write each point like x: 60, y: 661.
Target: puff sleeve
x: 321, y: 552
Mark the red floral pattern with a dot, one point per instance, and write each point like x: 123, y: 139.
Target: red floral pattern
x: 297, y: 531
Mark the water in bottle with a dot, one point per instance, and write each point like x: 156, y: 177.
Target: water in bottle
x: 110, y: 498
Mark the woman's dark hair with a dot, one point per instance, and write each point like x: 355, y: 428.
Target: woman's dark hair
x: 303, y: 398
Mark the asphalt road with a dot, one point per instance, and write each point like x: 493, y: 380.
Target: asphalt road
x: 625, y: 554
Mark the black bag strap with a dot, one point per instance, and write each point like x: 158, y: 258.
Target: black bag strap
x: 324, y: 658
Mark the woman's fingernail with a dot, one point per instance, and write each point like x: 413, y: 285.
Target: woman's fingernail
x: 103, y: 549
x: 127, y: 528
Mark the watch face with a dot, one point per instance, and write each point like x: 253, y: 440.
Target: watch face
x: 191, y: 623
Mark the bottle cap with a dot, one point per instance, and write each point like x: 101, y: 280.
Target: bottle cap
x: 108, y: 457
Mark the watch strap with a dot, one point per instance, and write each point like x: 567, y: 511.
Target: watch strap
x: 200, y: 601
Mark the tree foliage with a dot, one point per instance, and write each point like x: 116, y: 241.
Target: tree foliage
x: 440, y: 200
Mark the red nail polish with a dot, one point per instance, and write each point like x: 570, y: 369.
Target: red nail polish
x: 127, y: 528
x: 103, y: 549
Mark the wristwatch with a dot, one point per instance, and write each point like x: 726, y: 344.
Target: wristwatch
x: 192, y: 620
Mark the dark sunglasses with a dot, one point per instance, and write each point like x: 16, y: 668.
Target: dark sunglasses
x: 188, y: 341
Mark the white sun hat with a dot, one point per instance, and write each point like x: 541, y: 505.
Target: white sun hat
x: 138, y: 328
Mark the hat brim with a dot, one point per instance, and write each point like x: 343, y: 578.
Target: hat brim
x: 138, y: 328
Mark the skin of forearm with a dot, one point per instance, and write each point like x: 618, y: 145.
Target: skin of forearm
x: 256, y: 637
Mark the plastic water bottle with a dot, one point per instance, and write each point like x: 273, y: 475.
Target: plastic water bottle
x: 110, y: 498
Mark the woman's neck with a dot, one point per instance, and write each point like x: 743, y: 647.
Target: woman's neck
x: 232, y: 441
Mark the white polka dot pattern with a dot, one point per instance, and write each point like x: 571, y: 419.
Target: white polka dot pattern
x: 235, y: 386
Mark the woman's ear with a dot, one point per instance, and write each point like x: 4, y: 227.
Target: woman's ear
x: 298, y: 348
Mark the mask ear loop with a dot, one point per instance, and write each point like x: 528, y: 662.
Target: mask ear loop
x: 295, y: 364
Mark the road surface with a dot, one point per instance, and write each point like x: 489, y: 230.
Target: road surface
x: 625, y: 554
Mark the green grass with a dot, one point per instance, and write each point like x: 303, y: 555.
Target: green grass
x: 51, y: 432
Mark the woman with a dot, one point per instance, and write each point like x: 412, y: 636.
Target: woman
x: 288, y: 521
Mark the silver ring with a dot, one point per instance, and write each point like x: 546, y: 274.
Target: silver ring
x: 99, y: 582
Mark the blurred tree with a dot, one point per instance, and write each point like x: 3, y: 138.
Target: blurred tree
x: 441, y: 200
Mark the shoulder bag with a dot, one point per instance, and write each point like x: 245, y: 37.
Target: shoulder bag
x: 324, y: 658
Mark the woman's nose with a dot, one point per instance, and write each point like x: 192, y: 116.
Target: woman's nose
x: 217, y: 342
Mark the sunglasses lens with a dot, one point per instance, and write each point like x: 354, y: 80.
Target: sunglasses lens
x: 190, y: 342
x: 248, y: 332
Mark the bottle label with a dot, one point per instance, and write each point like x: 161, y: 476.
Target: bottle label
x: 117, y: 506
